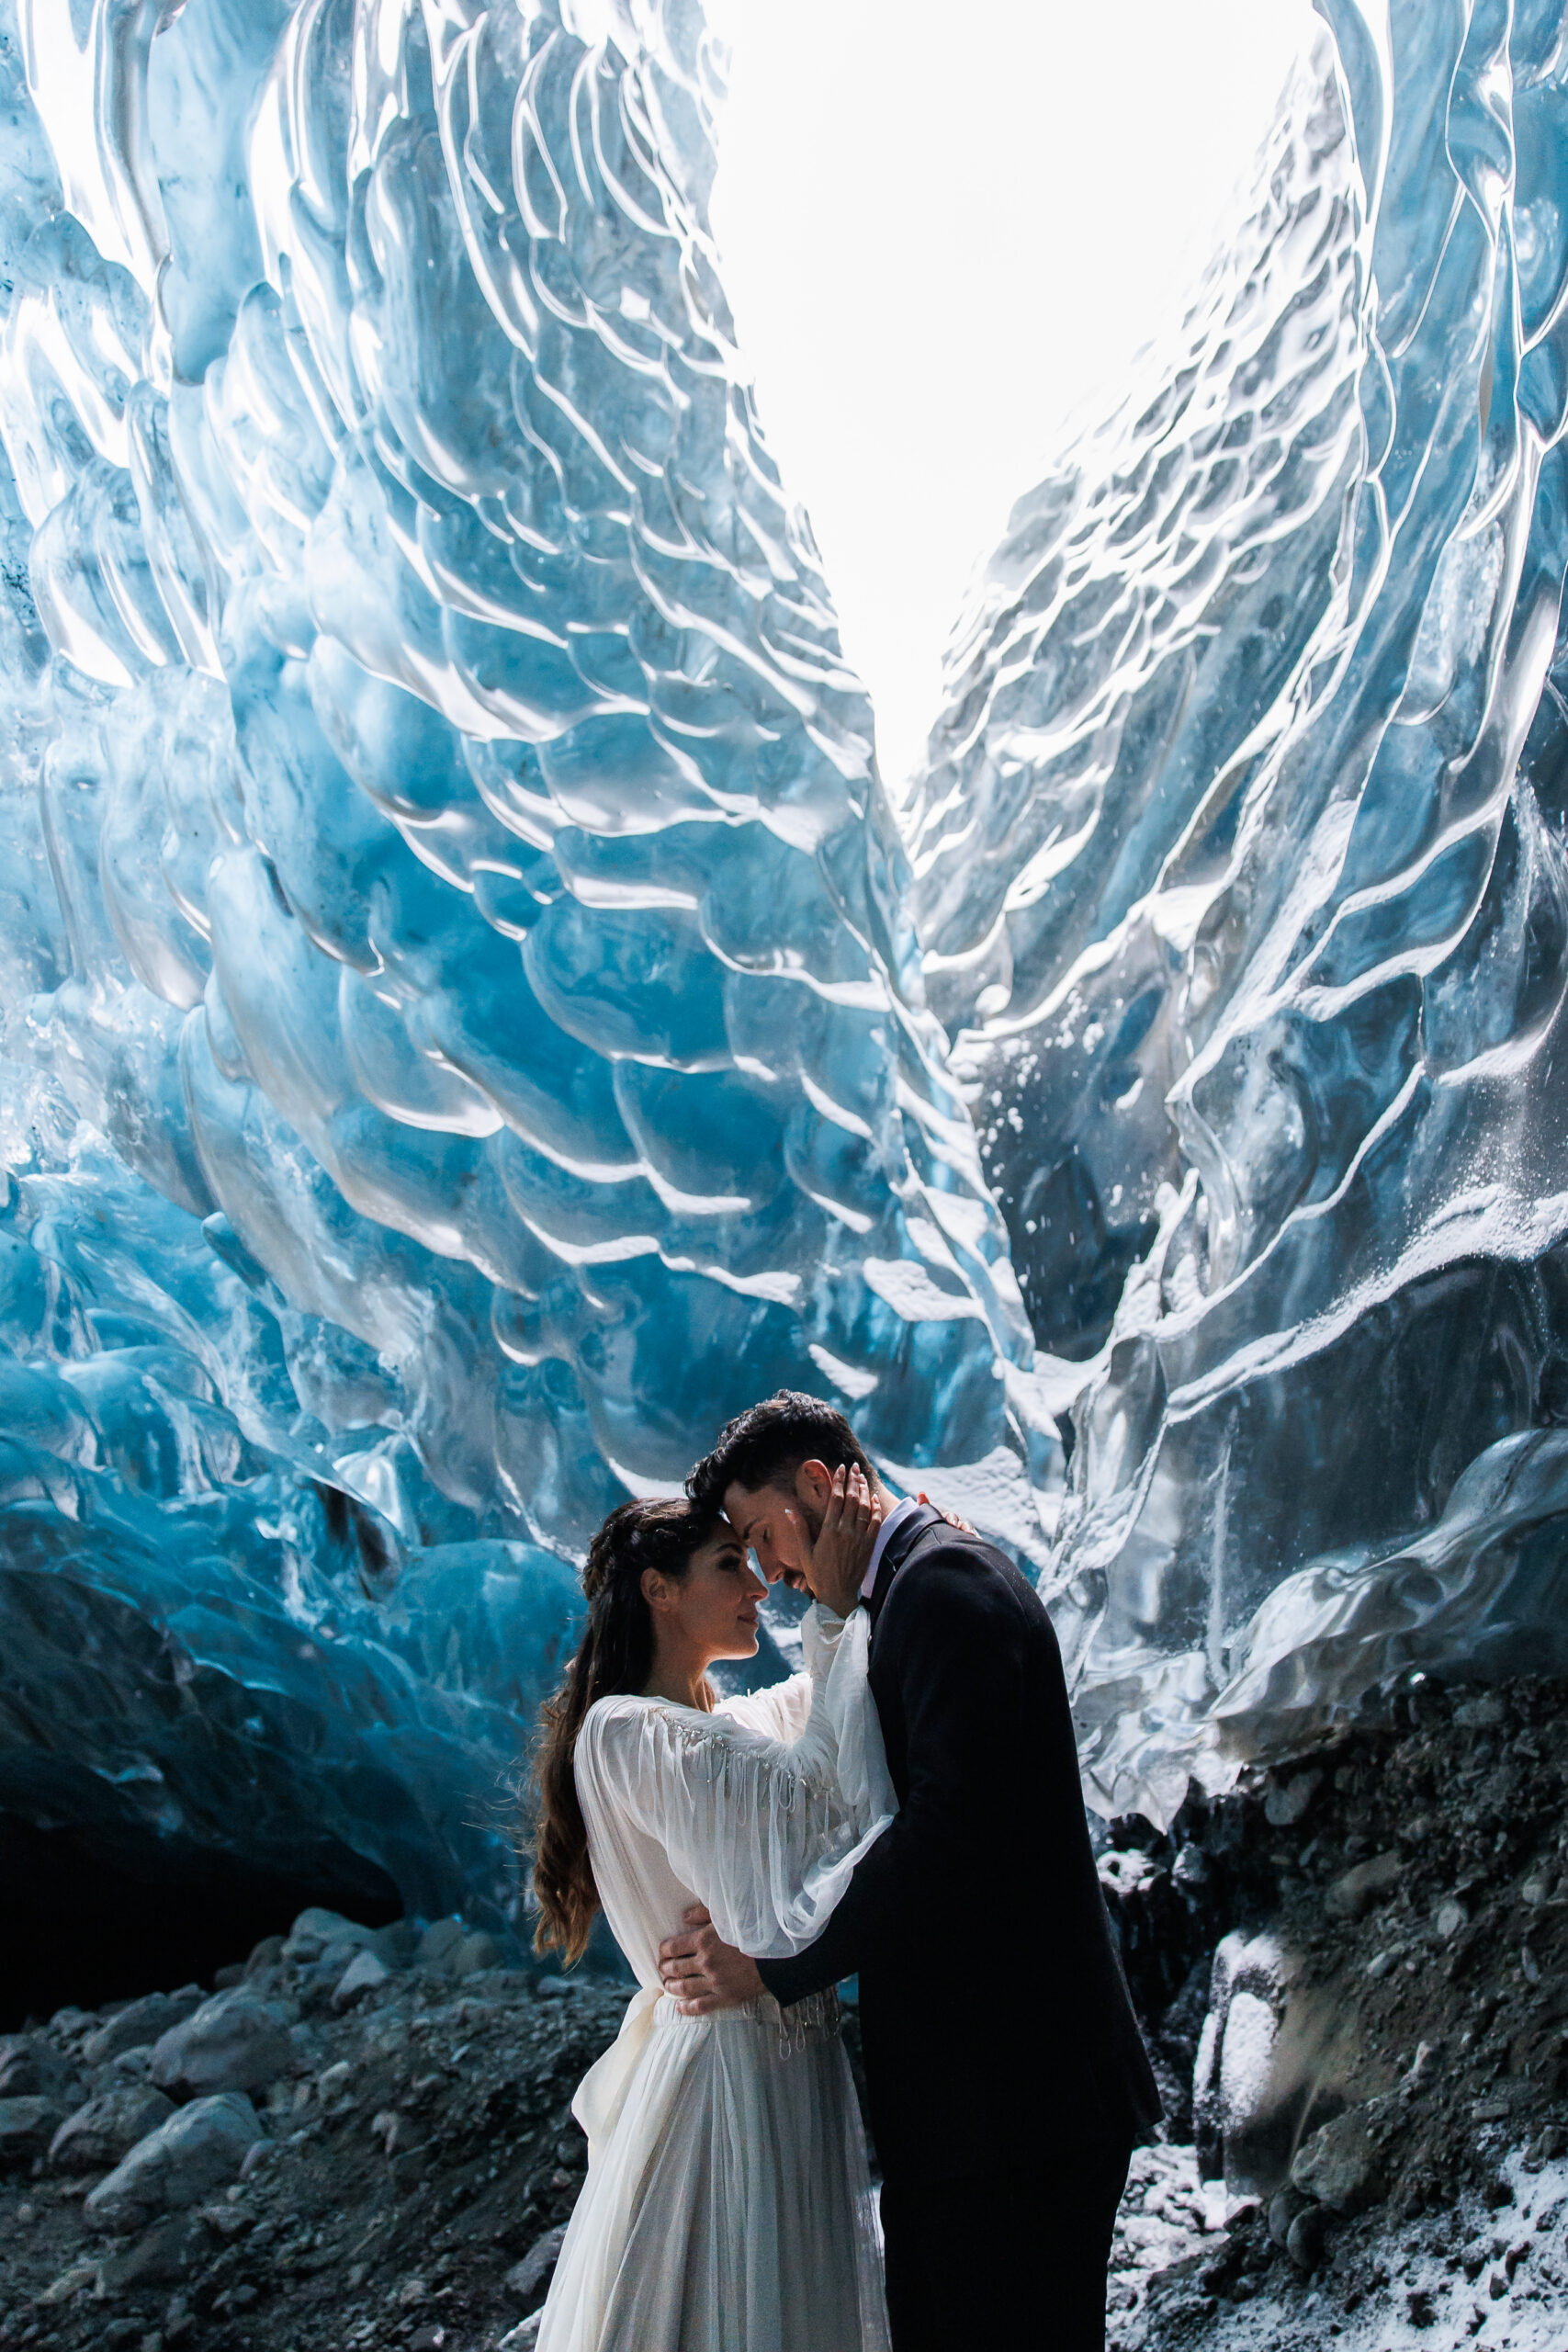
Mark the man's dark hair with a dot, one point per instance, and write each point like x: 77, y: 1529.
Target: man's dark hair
x: 765, y: 1445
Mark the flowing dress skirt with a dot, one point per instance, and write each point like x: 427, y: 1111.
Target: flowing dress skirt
x: 730, y: 2209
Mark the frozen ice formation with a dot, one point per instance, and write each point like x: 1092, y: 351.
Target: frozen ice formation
x: 1239, y: 861
x: 464, y: 1030
x: 471, y: 1019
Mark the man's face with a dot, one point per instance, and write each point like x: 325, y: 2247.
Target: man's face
x: 781, y: 1524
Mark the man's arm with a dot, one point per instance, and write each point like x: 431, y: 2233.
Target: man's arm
x: 702, y: 1972
x: 956, y: 1656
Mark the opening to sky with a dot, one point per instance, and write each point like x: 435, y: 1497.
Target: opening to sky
x: 945, y: 231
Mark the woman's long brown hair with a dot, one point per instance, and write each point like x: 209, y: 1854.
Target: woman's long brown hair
x: 614, y: 1655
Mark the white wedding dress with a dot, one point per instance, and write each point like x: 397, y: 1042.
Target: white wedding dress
x: 727, y: 2206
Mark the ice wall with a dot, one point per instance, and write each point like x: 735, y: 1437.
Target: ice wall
x: 468, y: 1020
x: 1240, y: 862
x: 463, y: 1029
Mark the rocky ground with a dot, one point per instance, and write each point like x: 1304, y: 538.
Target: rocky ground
x: 1353, y: 1971
x: 1359, y: 1963
x: 373, y: 2154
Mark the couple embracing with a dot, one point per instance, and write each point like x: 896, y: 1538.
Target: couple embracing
x: 906, y: 1810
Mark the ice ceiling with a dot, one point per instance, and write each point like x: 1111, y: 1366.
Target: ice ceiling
x: 470, y: 1018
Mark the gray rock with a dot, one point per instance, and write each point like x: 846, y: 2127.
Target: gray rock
x: 199, y: 2149
x: 438, y: 1943
x: 170, y: 2250
x: 138, y: 2022
x: 524, y: 2337
x: 108, y: 2128
x: 1342, y: 2165
x: 30, y: 2068
x: 1357, y: 1892
x: 1190, y: 1870
x: 1284, y: 2207
x: 1288, y: 1801
x: 264, y: 1956
x: 476, y: 1951
x: 316, y: 1932
x: 396, y: 1945
x: 527, y: 2281
x: 363, y: 1973
x: 233, y: 2043
x: 27, y: 2127
x: 1304, y: 2242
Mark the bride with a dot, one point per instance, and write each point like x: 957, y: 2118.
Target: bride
x: 728, y: 2207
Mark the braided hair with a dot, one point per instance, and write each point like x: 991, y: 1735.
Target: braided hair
x: 614, y: 1655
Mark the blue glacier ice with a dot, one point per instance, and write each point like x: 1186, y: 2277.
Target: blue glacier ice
x: 462, y: 1025
x: 1239, y: 861
x: 470, y: 1018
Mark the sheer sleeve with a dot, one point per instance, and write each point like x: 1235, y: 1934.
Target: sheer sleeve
x: 781, y: 1712
x: 766, y: 1834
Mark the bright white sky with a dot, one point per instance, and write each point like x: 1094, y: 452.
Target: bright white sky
x: 943, y: 230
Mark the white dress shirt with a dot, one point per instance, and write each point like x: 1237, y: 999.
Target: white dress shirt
x: 896, y: 1517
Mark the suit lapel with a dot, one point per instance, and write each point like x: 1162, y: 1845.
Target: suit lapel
x: 899, y: 1545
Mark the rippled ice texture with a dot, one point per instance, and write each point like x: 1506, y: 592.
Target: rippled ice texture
x: 465, y: 1000
x: 463, y: 1022
x: 1239, y: 858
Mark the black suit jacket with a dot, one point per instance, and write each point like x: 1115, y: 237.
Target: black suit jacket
x: 994, y: 2014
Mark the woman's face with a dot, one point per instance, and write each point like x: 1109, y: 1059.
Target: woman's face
x: 713, y: 1608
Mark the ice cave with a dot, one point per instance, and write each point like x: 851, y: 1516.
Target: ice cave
x: 472, y: 1017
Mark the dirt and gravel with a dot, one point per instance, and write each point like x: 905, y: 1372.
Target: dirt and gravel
x: 1377, y: 1935
x: 411, y: 2169
x: 1354, y: 1975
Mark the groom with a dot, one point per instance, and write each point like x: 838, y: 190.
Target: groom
x: 1006, y: 2098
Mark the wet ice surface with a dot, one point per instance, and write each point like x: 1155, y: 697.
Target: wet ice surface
x: 460, y: 1033
x: 1239, y: 860
x: 468, y: 1018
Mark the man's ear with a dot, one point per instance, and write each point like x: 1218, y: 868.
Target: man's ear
x: 814, y: 1485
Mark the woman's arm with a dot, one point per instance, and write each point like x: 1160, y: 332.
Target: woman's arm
x: 765, y: 1842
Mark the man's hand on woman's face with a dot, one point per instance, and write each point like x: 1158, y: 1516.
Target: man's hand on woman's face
x: 702, y: 1973
x: 841, y: 1552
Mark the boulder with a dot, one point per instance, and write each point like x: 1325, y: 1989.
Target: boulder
x: 31, y: 2067
x: 1343, y: 2165
x: 27, y: 2127
x: 527, y: 2281
x: 108, y: 2128
x: 1282, y: 2209
x: 1289, y: 1802
x: 395, y: 1944
x: 236, y: 2041
x: 1358, y: 1890
x: 316, y: 1931
x: 170, y: 2250
x: 1303, y: 2240
x: 475, y: 1951
x: 363, y: 1975
x: 138, y: 2022
x: 439, y: 1941
x: 199, y: 2149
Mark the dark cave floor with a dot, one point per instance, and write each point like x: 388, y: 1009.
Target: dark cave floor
x: 1353, y: 1971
